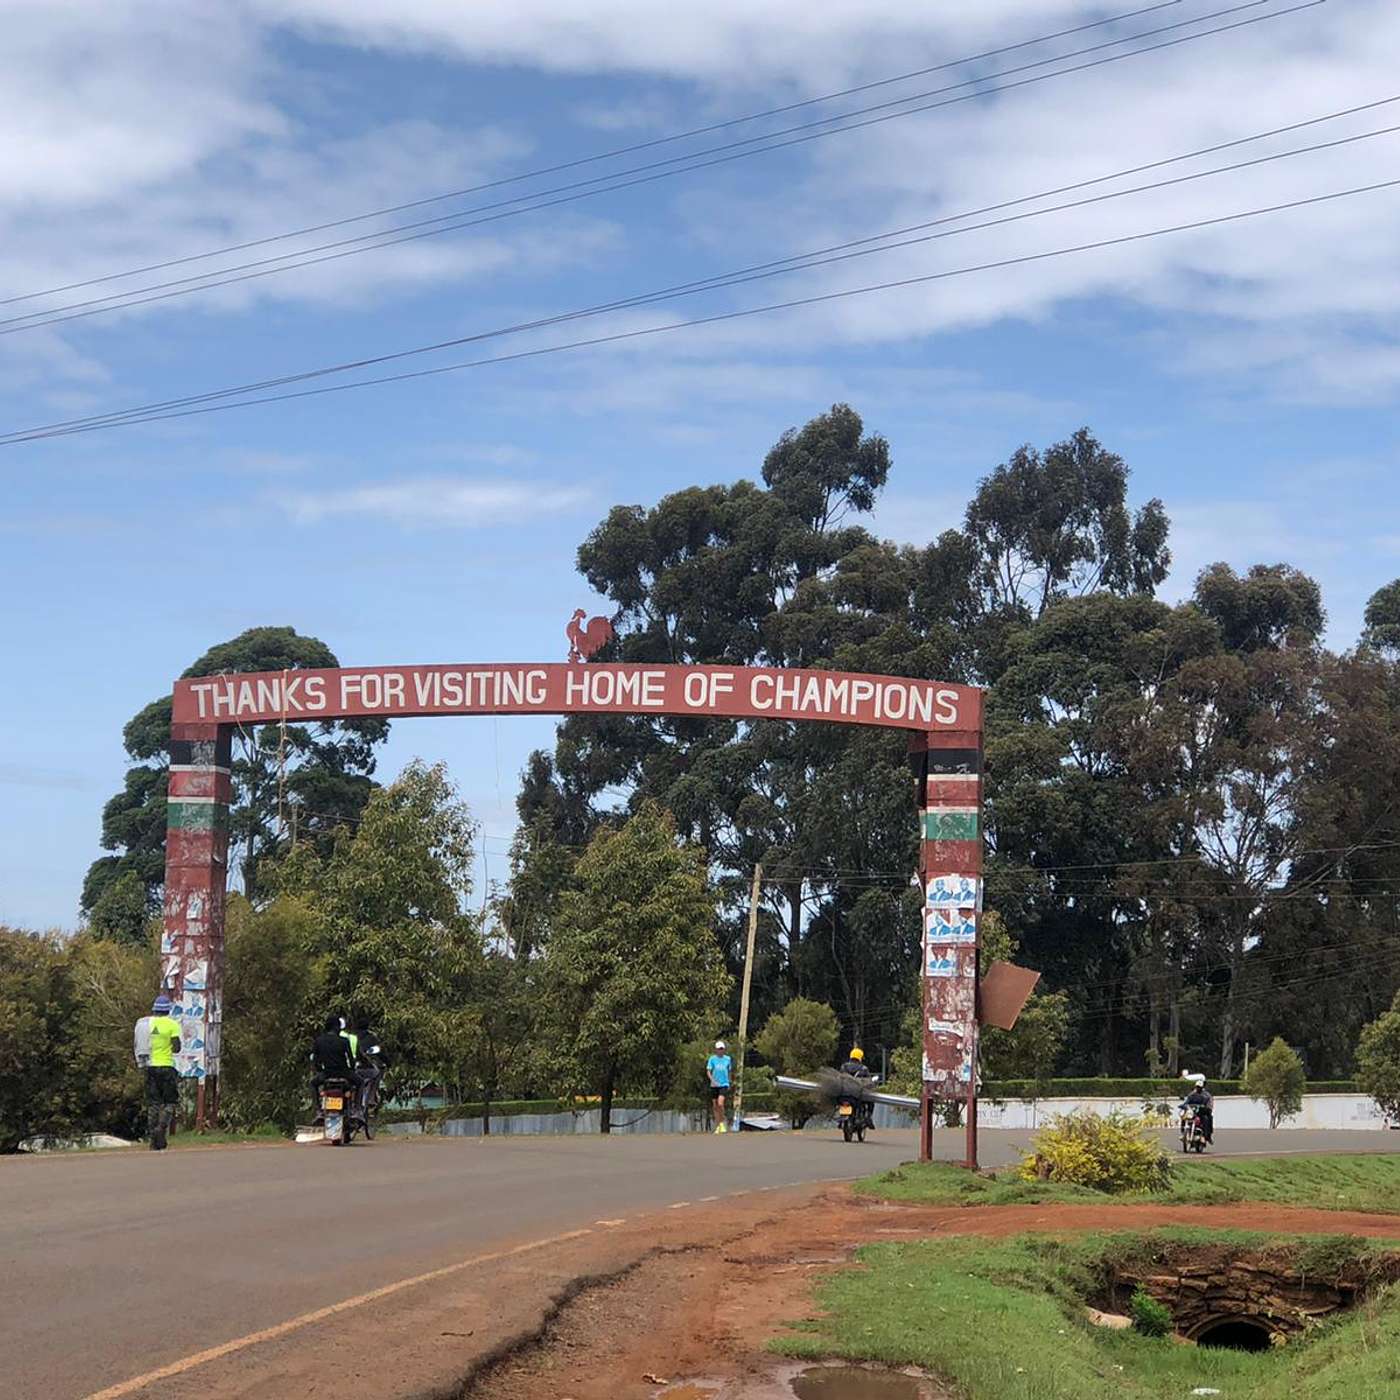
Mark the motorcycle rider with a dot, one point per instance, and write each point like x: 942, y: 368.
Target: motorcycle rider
x: 1200, y: 1102
x: 330, y: 1056
x: 855, y: 1068
x: 371, y: 1061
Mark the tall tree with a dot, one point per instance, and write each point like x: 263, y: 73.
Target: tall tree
x: 1383, y: 619
x: 1223, y: 746
x: 395, y: 930
x: 776, y: 573
x: 305, y: 777
x: 1066, y: 810
x: 274, y: 1002
x: 1057, y: 524
x: 633, y: 969
x: 1328, y: 955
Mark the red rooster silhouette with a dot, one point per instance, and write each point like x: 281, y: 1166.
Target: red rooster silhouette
x: 586, y: 639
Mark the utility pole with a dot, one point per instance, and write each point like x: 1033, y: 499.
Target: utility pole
x: 744, y: 998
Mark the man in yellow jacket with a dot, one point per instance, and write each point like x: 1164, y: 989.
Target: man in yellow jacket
x: 162, y: 1082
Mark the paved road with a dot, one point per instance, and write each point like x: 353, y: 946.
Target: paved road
x: 113, y: 1264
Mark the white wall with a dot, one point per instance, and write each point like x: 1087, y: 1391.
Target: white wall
x: 1234, y: 1111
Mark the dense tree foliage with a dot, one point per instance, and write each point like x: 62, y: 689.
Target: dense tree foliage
x: 1188, y: 825
x: 67, y: 1009
x: 301, y: 780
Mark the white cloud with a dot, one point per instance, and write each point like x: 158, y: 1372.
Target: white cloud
x: 732, y: 42
x: 155, y: 131
x: 435, y: 501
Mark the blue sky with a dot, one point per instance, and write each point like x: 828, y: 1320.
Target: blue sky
x: 1248, y: 373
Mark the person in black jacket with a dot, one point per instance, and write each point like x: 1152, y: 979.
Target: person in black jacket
x: 370, y: 1062
x: 854, y: 1068
x: 1204, y: 1106
x: 330, y: 1056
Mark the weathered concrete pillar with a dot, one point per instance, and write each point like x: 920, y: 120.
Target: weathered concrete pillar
x: 196, y: 871
x: 948, y: 766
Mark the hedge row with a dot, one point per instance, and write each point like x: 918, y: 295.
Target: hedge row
x: 1134, y: 1088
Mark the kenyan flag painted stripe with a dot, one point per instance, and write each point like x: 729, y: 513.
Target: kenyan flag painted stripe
x: 196, y: 814
x: 950, y: 824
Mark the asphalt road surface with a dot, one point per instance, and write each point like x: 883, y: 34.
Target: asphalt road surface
x: 115, y: 1264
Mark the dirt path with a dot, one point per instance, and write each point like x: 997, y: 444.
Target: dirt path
x: 679, y: 1303
x: 699, y: 1318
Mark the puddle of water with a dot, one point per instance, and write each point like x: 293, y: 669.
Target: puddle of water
x: 854, y: 1383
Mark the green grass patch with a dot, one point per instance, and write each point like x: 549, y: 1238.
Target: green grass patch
x: 1341, y: 1182
x: 1004, y: 1320
x: 268, y: 1132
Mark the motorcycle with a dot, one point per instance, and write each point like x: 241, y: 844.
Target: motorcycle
x: 854, y: 1112
x: 1193, y: 1132
x: 369, y: 1106
x: 342, y: 1113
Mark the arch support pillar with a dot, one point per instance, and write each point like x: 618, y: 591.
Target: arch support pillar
x: 196, y: 876
x: 948, y: 770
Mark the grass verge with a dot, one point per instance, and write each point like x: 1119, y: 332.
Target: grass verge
x: 1004, y: 1320
x: 1341, y: 1182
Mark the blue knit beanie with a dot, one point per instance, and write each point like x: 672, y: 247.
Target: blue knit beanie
x: 161, y: 1005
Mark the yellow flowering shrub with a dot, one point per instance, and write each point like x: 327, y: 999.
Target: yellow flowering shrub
x: 1111, y: 1152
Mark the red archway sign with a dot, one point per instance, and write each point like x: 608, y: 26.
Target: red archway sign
x: 945, y: 738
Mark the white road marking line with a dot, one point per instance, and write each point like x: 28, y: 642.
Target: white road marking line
x: 622, y: 1220
x: 267, y: 1334
x: 676, y: 1205
x: 703, y: 1199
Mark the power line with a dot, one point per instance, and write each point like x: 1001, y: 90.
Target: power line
x: 584, y: 160
x: 572, y: 192
x: 799, y: 262
x: 134, y: 416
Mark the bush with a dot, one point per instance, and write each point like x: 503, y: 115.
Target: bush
x: 1276, y: 1078
x: 797, y: 1041
x: 1149, y: 1316
x: 1378, y: 1061
x: 1111, y: 1153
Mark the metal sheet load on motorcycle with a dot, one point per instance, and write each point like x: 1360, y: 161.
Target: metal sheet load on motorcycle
x: 852, y: 1100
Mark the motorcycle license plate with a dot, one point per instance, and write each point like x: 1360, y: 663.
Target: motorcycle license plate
x: 844, y: 1111
x: 334, y: 1101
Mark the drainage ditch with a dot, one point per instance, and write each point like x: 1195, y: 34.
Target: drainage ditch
x: 1249, y: 1300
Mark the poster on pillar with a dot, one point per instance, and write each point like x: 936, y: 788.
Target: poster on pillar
x: 950, y: 1003
x: 191, y: 945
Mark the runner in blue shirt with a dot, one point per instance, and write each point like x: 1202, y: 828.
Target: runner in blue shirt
x: 717, y: 1072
